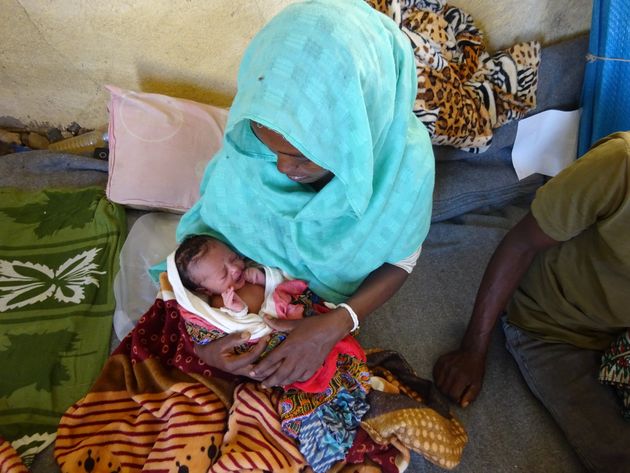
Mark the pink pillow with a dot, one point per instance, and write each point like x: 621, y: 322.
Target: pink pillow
x: 158, y: 149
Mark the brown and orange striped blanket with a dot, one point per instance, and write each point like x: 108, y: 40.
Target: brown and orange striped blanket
x: 157, y: 407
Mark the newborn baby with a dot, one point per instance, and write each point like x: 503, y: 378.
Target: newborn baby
x: 218, y: 282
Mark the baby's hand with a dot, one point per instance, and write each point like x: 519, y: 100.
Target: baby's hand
x: 255, y: 276
x: 232, y: 301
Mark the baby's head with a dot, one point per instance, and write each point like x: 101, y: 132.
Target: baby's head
x: 208, y: 266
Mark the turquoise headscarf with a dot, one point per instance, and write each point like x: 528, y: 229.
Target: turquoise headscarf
x: 338, y: 81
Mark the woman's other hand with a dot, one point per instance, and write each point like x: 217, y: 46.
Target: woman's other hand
x: 306, y: 347
x: 220, y: 354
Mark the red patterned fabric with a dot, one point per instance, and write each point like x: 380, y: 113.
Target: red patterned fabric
x: 364, y: 448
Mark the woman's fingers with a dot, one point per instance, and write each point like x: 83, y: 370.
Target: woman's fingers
x: 259, y: 374
x: 286, y: 373
x: 212, y: 353
x: 281, y: 325
x: 244, y: 362
x: 282, y: 351
x: 305, y: 376
x: 273, y: 368
x: 255, y: 351
x: 220, y: 353
x: 283, y: 356
x: 268, y: 364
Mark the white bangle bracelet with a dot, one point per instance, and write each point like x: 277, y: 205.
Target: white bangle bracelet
x: 353, y: 315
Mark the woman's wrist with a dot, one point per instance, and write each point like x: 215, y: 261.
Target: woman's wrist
x: 337, y: 323
x: 352, y: 315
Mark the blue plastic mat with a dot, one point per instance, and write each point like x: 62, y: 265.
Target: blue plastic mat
x: 606, y: 95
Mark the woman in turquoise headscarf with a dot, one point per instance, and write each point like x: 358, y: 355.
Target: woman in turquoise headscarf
x: 324, y: 172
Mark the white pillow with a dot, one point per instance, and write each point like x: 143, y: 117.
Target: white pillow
x: 158, y: 149
x: 151, y: 239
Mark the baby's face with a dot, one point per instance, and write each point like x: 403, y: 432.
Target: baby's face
x: 218, y: 269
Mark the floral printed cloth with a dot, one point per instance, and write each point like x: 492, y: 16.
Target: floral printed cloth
x: 615, y: 369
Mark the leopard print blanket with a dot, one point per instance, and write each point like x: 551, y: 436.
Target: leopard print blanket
x: 464, y: 92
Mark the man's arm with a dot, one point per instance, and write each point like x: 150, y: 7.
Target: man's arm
x: 459, y: 374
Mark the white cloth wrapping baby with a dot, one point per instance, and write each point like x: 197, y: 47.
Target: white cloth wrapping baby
x: 223, y: 318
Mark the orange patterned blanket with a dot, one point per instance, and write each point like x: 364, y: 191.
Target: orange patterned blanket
x: 156, y: 407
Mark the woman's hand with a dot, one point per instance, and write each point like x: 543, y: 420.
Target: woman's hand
x: 310, y: 340
x: 220, y: 354
x: 303, y: 352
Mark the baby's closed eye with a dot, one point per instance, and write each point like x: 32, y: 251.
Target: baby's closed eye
x: 255, y: 276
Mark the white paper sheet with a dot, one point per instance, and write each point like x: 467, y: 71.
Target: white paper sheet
x: 546, y: 143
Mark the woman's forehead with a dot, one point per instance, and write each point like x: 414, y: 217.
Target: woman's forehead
x: 274, y: 141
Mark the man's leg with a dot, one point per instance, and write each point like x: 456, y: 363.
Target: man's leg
x: 564, y: 379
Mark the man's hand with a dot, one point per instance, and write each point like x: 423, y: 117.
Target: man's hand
x: 303, y: 352
x: 459, y: 375
x: 220, y: 354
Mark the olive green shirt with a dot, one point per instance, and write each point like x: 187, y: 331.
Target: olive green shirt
x: 578, y: 292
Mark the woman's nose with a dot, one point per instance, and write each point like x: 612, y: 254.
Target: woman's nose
x: 285, y: 164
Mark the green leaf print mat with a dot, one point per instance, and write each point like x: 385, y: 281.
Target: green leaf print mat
x: 58, y: 258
